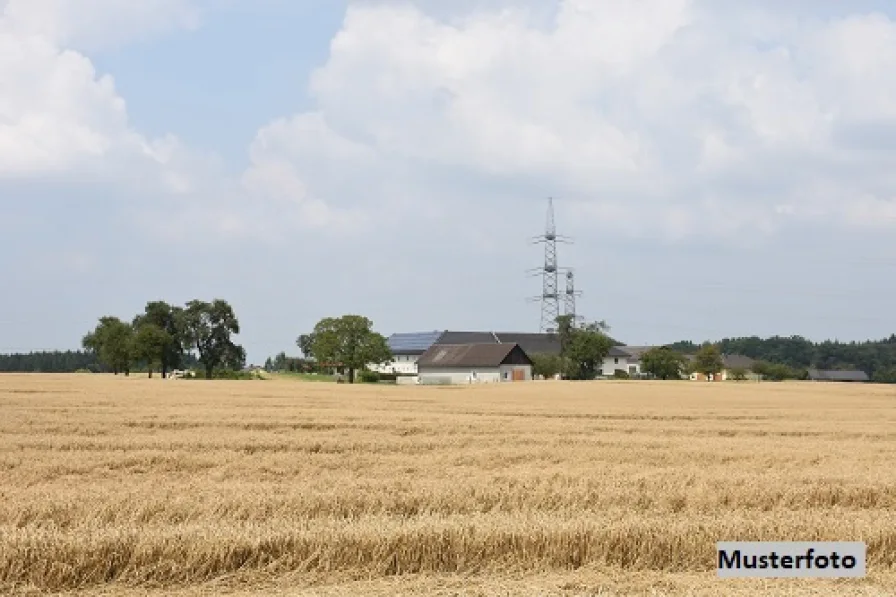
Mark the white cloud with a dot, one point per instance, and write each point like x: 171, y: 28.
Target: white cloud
x: 95, y: 24
x: 654, y: 118
x: 669, y: 115
x: 57, y: 114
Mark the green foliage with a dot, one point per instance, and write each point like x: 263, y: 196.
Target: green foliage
x: 737, y: 374
x: 114, y: 343
x: 708, y: 360
x: 663, y: 363
x: 584, y: 349
x: 228, y: 374
x: 166, y: 351
x: 547, y: 365
x: 368, y: 376
x: 208, y: 328
x: 621, y: 374
x: 305, y: 342
x: 800, y: 354
x: 887, y: 375
x: 348, y: 342
x: 68, y: 361
x: 778, y: 371
x: 150, y: 344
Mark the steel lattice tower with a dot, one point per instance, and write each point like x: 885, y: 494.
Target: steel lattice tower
x: 570, y: 298
x: 549, y: 272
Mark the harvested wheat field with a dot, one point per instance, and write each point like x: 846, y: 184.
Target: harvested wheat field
x: 112, y: 486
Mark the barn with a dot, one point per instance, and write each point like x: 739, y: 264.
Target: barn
x: 447, y: 364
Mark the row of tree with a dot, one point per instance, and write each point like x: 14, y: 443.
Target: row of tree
x: 163, y: 336
x: 583, y: 349
x: 56, y: 361
x: 877, y: 358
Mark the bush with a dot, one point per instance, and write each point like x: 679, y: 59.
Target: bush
x: 737, y: 374
x: 547, y: 365
x: 370, y: 376
x: 621, y: 374
x: 224, y: 374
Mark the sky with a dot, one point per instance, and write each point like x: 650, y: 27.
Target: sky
x: 724, y: 168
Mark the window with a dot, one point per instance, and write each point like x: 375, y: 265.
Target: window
x: 616, y: 361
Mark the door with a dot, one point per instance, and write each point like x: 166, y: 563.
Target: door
x: 519, y: 375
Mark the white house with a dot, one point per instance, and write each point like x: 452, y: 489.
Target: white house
x: 450, y: 364
x: 624, y: 358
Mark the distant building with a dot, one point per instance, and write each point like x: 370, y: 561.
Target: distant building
x: 843, y: 376
x: 408, y: 347
x: 730, y: 362
x: 624, y: 358
x: 450, y: 364
x: 530, y: 343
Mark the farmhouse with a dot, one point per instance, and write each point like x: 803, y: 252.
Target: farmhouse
x: 842, y: 376
x: 473, y: 363
x: 408, y: 347
x: 624, y: 358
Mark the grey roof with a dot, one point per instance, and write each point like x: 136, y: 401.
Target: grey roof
x: 730, y: 361
x: 467, y: 355
x: 413, y: 343
x: 832, y: 375
x: 630, y: 352
x: 467, y: 338
x: 737, y: 361
x: 530, y: 343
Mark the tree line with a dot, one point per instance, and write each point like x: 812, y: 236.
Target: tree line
x: 56, y: 361
x: 797, y: 354
x: 164, y: 337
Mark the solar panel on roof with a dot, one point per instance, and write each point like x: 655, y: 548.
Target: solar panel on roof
x: 413, y: 341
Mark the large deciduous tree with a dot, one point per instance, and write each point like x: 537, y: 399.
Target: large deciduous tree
x: 582, y: 347
x: 586, y: 351
x: 208, y: 328
x: 167, y: 349
x: 663, y: 363
x: 350, y: 342
x: 149, y: 344
x: 113, y: 342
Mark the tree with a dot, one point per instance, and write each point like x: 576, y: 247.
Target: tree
x: 585, y: 351
x: 708, y: 361
x: 170, y: 352
x: 663, y: 363
x: 150, y: 342
x: 208, y: 328
x: 305, y: 342
x: 350, y: 342
x: 737, y: 374
x: 113, y: 342
x: 547, y: 365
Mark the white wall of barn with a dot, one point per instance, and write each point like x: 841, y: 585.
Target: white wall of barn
x: 455, y: 375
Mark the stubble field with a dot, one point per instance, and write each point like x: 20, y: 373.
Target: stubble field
x: 114, y: 486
